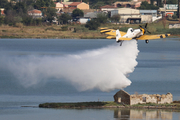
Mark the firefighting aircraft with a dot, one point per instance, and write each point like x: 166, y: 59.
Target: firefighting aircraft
x: 138, y: 34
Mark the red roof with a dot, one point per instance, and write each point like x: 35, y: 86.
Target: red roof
x: 75, y: 3
x: 2, y: 12
x: 107, y: 6
x: 34, y: 11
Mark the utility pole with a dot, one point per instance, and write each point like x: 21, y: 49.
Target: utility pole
x: 179, y: 9
x: 164, y: 17
x: 165, y: 7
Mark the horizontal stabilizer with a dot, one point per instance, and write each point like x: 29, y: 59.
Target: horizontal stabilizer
x: 110, y: 37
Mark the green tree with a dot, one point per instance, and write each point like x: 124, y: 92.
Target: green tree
x: 152, y: 2
x: 20, y: 8
x: 64, y: 18
x: 171, y: 1
x: 38, y: 21
x: 174, y: 16
x: 11, y: 18
x: 35, y: 22
x: 8, y: 7
x: 146, y: 6
x: 92, y: 25
x: 115, y: 18
x: 1, y: 20
x: 29, y: 2
x: 27, y: 20
x: 50, y: 14
x: 43, y: 3
x: 102, y: 18
x: 77, y: 13
x: 3, y: 3
x: 98, y: 5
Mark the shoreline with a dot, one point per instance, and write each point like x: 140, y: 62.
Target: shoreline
x: 102, y: 105
x: 10, y: 37
x: 56, y: 32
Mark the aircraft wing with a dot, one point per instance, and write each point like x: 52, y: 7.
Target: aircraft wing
x: 123, y: 38
x: 149, y: 37
x: 111, y: 37
x: 111, y: 32
x: 106, y: 30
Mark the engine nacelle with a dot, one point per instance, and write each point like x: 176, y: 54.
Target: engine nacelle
x: 147, y: 41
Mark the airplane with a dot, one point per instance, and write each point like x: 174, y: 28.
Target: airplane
x: 138, y: 34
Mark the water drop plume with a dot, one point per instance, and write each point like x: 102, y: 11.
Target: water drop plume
x: 105, y: 68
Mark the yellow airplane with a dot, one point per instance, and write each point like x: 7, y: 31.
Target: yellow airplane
x: 138, y: 34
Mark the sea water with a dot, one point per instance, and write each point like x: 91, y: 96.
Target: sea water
x: 157, y: 72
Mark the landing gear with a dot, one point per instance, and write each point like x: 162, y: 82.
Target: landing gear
x: 121, y: 41
x: 147, y: 41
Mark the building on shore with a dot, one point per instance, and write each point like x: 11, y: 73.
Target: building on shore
x: 2, y: 11
x: 127, y: 15
x: 108, y: 8
x: 125, y: 98
x: 35, y: 13
x: 168, y: 9
x: 73, y: 5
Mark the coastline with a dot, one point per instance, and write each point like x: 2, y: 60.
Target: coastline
x: 74, y: 31
x: 97, y: 105
x: 66, y: 37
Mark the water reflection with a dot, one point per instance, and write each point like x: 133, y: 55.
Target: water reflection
x: 126, y: 114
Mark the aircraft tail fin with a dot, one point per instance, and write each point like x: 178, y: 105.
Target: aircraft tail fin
x: 118, y: 35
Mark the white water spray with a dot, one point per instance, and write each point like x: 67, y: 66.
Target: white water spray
x: 105, y: 69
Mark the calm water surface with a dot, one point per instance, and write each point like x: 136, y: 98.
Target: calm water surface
x: 157, y: 72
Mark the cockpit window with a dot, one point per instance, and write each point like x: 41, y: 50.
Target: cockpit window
x: 132, y: 30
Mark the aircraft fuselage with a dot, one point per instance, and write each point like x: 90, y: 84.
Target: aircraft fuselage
x: 133, y: 33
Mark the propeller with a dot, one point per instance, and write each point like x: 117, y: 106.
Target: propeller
x: 145, y: 28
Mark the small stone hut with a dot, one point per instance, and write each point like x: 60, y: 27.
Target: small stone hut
x: 125, y: 98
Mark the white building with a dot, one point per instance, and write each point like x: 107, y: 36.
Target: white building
x: 59, y: 6
x: 35, y: 13
x: 148, y: 16
x: 168, y: 9
x: 128, y: 15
